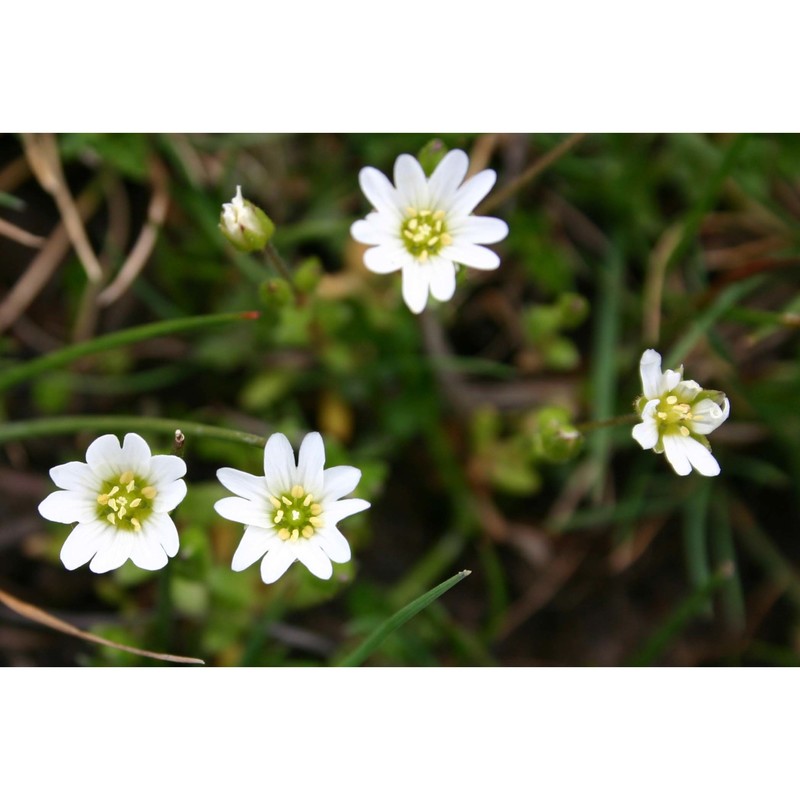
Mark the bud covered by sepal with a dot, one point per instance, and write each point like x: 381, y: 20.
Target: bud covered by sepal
x: 244, y: 224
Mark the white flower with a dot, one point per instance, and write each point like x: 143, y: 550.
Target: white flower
x: 291, y: 512
x: 676, y: 417
x: 424, y: 225
x: 244, y: 224
x: 120, y: 499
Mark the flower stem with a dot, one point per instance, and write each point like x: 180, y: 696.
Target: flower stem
x: 66, y: 355
x: 595, y: 424
x: 275, y: 260
x: 31, y: 429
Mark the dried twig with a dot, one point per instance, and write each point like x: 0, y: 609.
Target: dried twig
x: 36, y: 614
x: 41, y: 151
x: 137, y: 258
x: 17, y: 234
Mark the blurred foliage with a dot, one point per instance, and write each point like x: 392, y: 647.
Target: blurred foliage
x: 465, y: 422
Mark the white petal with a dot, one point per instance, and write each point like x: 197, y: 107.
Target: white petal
x: 386, y: 258
x: 339, y: 481
x: 480, y: 230
x: 415, y: 286
x: 471, y: 255
x: 670, y: 379
x: 248, y: 512
x: 255, y: 542
x: 104, y: 456
x: 707, y: 416
x: 410, y: 182
x: 146, y: 552
x: 276, y: 562
x: 310, y: 462
x: 650, y: 370
x: 165, y: 469
x: 310, y: 553
x: 471, y: 193
x: 333, y: 544
x: 646, y: 433
x: 442, y: 278
x: 68, y: 507
x: 379, y: 192
x: 447, y: 176
x: 675, y: 451
x: 76, y: 476
x: 84, y: 541
x: 136, y: 454
x: 116, y: 550
x: 169, y: 496
x: 252, y: 487
x: 279, y: 464
x: 700, y: 457
x: 335, y: 512
x: 366, y: 233
x: 162, y: 529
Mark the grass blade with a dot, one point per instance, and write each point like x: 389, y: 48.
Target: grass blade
x: 373, y: 641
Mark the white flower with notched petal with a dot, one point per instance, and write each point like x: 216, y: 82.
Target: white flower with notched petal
x: 121, y: 499
x: 676, y: 417
x: 425, y: 226
x: 291, y: 512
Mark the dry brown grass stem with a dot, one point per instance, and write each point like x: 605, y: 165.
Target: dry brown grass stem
x: 19, y: 235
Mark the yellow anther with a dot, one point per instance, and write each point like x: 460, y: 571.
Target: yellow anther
x: 112, y: 503
x: 122, y: 512
x: 423, y: 256
x: 284, y: 534
x: 113, y: 491
x: 131, y: 486
x: 438, y: 227
x: 446, y: 239
x: 420, y: 237
x: 126, y: 477
x: 102, y: 499
x: 298, y: 492
x: 295, y: 534
x: 285, y: 500
x: 316, y: 509
x: 432, y: 241
x: 684, y: 430
x: 424, y: 212
x: 662, y: 415
x: 136, y: 503
x: 136, y: 524
x: 672, y: 400
x: 308, y: 532
x: 278, y: 516
x: 275, y: 502
x: 112, y: 519
x: 438, y: 214
x: 316, y: 522
x: 308, y: 500
x: 412, y: 225
x: 408, y: 234
x: 412, y: 212
x: 149, y: 492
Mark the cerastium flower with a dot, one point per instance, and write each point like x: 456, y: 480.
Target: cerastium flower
x: 677, y: 415
x: 425, y: 227
x: 244, y: 224
x: 291, y: 512
x: 121, y: 499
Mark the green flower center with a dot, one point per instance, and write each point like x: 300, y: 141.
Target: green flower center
x: 126, y: 502
x: 296, y: 514
x: 671, y: 415
x: 424, y: 232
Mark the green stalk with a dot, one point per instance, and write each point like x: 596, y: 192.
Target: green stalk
x: 695, y: 537
x: 66, y: 355
x: 374, y: 640
x: 32, y: 429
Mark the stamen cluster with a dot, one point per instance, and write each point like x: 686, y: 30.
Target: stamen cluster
x: 129, y: 505
x: 424, y: 233
x: 296, y: 514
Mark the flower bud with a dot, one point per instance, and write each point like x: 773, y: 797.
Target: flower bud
x: 556, y: 438
x: 431, y: 154
x: 245, y: 225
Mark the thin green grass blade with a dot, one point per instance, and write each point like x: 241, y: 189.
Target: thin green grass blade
x: 372, y: 642
x: 731, y: 594
x: 695, y: 537
x: 66, y: 355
